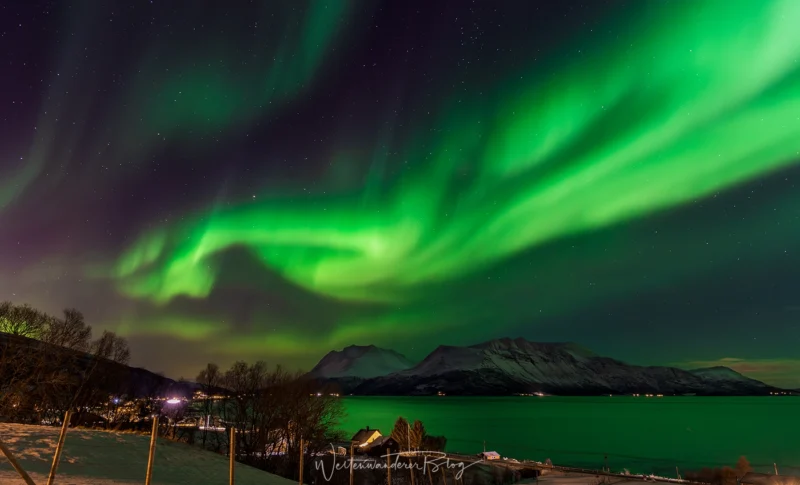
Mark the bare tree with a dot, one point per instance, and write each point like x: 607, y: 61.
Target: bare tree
x: 210, y: 380
x: 70, y: 332
x: 22, y: 320
x: 112, y: 347
x: 276, y: 410
x: 400, y: 433
x: 743, y: 467
x: 417, y: 434
x: 246, y: 383
x: 409, y: 437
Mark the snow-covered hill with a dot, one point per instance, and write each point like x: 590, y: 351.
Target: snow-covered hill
x: 506, y: 366
x: 92, y: 457
x: 361, y: 362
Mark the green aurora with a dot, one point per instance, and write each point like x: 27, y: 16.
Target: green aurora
x: 688, y: 102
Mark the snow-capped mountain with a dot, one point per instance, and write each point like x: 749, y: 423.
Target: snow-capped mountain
x: 506, y: 366
x: 723, y: 374
x: 360, y: 362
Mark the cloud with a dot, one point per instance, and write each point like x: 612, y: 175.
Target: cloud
x: 784, y: 373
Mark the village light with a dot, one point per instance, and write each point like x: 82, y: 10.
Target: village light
x: 174, y: 400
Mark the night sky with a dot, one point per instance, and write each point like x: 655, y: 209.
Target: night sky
x: 274, y: 180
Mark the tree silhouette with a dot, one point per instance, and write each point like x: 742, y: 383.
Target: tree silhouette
x: 400, y: 433
x: 407, y: 436
x: 743, y: 467
x: 417, y: 435
x: 70, y: 332
x: 112, y: 347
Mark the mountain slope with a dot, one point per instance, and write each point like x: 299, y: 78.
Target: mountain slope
x: 111, y: 376
x: 506, y: 366
x: 360, y: 362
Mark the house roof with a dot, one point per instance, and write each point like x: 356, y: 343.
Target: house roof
x: 490, y: 453
x: 383, y: 441
x: 364, y: 434
x: 753, y: 478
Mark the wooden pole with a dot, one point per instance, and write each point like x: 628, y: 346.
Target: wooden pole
x: 301, y: 460
x: 232, y: 471
x: 351, y: 463
x: 59, y: 446
x: 430, y: 477
x: 677, y: 472
x: 152, y: 453
x: 388, y: 467
x: 15, y: 464
x: 776, y: 468
x: 444, y: 476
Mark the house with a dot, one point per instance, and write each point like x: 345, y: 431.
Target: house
x: 753, y: 478
x: 365, y: 437
x: 490, y: 455
x: 276, y: 446
x: 379, y: 446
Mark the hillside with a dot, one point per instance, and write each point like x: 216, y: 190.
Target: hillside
x: 508, y: 366
x: 123, y: 379
x: 93, y: 457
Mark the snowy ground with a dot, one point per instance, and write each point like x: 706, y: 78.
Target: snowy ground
x: 104, y: 458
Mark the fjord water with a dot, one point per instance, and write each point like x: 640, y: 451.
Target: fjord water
x: 644, y: 435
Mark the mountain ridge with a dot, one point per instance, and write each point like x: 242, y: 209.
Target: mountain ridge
x: 518, y: 366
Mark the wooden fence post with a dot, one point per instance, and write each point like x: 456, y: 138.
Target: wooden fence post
x: 15, y: 464
x: 151, y: 454
x: 430, y: 477
x: 301, y: 460
x: 59, y: 447
x: 231, y: 474
x: 351, y: 463
x: 388, y: 467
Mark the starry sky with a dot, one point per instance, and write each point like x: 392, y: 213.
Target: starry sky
x: 273, y: 180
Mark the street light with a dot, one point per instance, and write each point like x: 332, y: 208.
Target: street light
x: 172, y: 414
